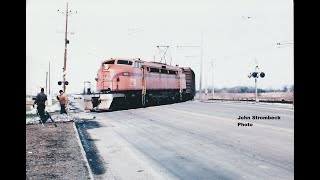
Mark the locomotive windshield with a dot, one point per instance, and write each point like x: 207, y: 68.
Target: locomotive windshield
x: 125, y: 62
x: 109, y: 62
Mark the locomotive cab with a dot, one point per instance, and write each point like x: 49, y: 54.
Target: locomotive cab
x: 115, y: 74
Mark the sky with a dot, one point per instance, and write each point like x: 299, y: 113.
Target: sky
x: 233, y: 35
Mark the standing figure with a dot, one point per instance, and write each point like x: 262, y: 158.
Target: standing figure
x: 63, y: 100
x: 41, y: 104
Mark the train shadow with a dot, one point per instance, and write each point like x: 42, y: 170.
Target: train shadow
x: 95, y: 160
x: 134, y: 106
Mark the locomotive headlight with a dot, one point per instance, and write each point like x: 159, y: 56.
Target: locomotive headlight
x: 126, y: 73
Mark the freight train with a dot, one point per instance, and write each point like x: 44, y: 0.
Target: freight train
x: 124, y: 82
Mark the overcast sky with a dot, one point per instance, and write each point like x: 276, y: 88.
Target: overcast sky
x: 236, y: 35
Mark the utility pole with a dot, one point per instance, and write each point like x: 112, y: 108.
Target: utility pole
x: 49, y: 77
x: 284, y: 44
x: 255, y: 84
x: 46, y: 82
x: 212, y: 78
x: 201, y: 54
x: 67, y: 13
x: 65, y: 52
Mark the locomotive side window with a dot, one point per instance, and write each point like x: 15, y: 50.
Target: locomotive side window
x: 137, y: 64
x: 172, y: 72
x: 164, y: 71
x: 125, y: 62
x: 154, y: 70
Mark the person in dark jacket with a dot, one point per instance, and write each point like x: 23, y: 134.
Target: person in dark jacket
x: 41, y: 104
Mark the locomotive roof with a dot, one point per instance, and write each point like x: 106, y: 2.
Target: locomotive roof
x: 129, y: 59
x: 148, y: 63
x: 159, y: 65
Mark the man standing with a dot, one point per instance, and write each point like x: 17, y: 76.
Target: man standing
x: 63, y: 100
x: 41, y: 104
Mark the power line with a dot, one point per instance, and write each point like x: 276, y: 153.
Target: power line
x: 201, y: 55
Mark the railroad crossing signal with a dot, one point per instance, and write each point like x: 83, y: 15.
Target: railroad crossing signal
x: 256, y: 75
x: 61, y: 82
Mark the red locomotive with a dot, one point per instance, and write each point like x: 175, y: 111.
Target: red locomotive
x: 136, y: 82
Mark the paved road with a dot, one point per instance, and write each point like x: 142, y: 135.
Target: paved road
x: 196, y: 140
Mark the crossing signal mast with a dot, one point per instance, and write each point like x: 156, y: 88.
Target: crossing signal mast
x: 66, y: 42
x: 256, y: 75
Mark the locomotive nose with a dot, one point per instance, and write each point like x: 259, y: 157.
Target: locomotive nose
x: 106, y: 66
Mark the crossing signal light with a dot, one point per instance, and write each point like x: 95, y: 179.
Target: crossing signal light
x: 262, y: 74
x: 255, y: 74
x: 59, y: 83
x: 66, y: 83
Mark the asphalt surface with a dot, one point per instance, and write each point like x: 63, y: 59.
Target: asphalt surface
x: 196, y: 140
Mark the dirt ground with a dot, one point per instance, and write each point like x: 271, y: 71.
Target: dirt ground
x: 54, y: 153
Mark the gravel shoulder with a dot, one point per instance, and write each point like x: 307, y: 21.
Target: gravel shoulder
x: 54, y: 152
